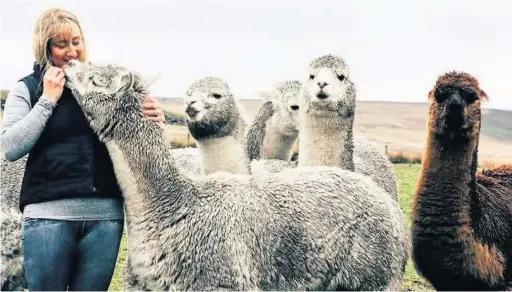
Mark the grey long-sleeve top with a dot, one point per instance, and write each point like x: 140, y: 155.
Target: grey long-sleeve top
x: 22, y: 127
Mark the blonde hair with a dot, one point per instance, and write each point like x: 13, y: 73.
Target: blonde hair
x: 53, y: 22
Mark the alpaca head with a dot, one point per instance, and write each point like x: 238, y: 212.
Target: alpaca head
x: 106, y: 92
x: 211, y: 109
x: 285, y: 99
x: 455, y: 106
x: 328, y: 88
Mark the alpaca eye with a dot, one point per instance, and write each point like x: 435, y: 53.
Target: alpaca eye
x: 442, y: 94
x: 341, y: 77
x: 294, y: 107
x: 470, y: 96
x: 94, y: 82
x: 442, y: 97
x: 216, y: 95
x: 311, y: 76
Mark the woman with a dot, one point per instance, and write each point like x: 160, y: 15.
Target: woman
x: 72, y: 207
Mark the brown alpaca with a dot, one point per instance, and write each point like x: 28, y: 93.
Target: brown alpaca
x: 462, y: 221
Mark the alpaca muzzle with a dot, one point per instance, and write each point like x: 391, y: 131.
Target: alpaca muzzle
x: 191, y: 111
x: 454, y: 113
x: 454, y: 121
x: 322, y: 95
x: 195, y: 110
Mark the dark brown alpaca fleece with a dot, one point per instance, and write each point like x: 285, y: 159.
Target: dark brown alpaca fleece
x: 500, y: 176
x: 462, y: 221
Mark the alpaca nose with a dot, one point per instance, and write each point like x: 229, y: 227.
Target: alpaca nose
x: 455, y: 104
x: 191, y: 102
x: 322, y: 84
x: 454, y: 112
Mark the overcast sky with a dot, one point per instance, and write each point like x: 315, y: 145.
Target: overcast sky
x: 395, y: 49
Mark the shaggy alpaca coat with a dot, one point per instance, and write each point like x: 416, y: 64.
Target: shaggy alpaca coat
x: 12, y: 273
x: 240, y: 232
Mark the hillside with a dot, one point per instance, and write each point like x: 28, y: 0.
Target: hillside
x: 399, y: 125
x: 402, y: 126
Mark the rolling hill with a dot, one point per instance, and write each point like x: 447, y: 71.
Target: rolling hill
x: 398, y: 125
x: 401, y: 126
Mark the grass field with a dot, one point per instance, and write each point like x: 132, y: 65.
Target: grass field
x: 407, y: 174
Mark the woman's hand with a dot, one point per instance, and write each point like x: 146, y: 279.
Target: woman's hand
x: 53, y: 83
x: 152, y: 109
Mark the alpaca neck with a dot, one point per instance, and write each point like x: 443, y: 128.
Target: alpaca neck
x: 226, y: 153
x: 448, y: 174
x: 443, y: 208
x: 326, y: 141
x: 146, y: 174
x: 446, y: 212
x: 276, y: 144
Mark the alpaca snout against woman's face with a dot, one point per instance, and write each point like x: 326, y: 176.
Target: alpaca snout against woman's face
x: 98, y: 88
x: 73, y: 73
x: 105, y: 79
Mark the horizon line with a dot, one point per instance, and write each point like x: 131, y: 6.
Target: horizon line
x: 485, y: 106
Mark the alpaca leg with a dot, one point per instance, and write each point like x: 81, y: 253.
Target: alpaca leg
x: 131, y: 281
x: 15, y: 283
x: 395, y: 284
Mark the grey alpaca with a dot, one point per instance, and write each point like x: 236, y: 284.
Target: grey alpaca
x: 214, y: 120
x: 275, y: 128
x: 307, y: 228
x: 11, y: 270
x: 12, y: 273
x: 327, y: 112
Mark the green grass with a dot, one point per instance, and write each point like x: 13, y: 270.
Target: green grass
x: 407, y: 175
x: 117, y: 280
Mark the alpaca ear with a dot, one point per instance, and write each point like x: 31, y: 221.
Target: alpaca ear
x: 152, y: 79
x: 483, y: 95
x: 264, y: 94
x: 128, y: 80
x: 267, y: 94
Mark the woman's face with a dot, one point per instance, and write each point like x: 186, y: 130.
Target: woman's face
x: 67, y: 46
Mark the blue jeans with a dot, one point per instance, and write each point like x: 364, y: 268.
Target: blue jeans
x: 74, y: 255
